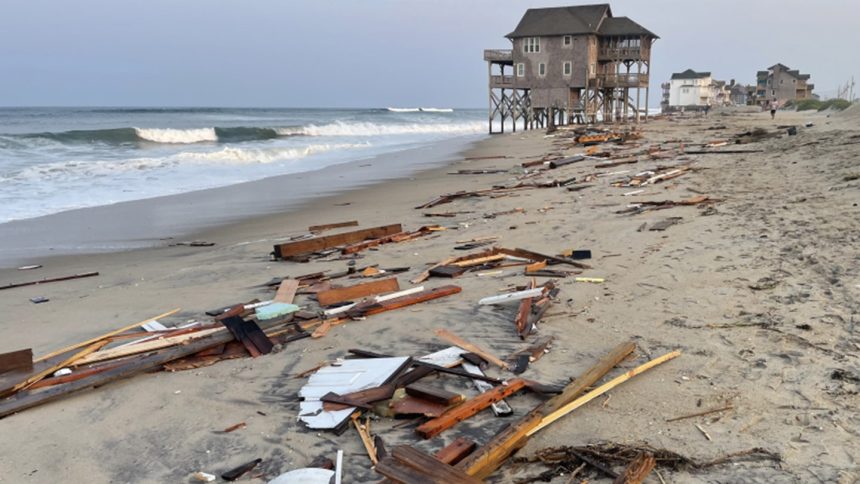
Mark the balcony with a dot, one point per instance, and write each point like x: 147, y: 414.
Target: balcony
x: 608, y: 53
x: 498, y: 82
x: 499, y: 56
x: 622, y: 80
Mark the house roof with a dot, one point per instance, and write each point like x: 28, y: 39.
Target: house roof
x: 582, y: 19
x: 619, y: 26
x: 690, y: 74
x: 778, y: 64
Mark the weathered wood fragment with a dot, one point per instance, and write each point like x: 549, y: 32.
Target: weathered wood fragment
x: 29, y: 381
x: 16, y: 360
x: 428, y: 295
x: 535, y: 256
x: 286, y: 291
x: 637, y: 470
x: 433, y: 394
x: 451, y: 271
x: 300, y: 247
x: 238, y: 472
x: 434, y: 470
x: 456, y: 450
x: 461, y: 412
x: 458, y: 341
x: 52, y: 279
x: 351, y: 293
x: 409, y: 405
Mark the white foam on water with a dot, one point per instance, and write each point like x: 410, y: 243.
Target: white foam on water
x: 169, y: 135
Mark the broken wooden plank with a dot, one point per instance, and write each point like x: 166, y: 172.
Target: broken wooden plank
x: 493, y: 454
x: 451, y: 271
x: 300, y: 247
x: 16, y: 360
x: 106, y: 335
x: 458, y: 341
x: 53, y: 368
x: 358, y: 291
x: 433, y: 394
x: 637, y: 470
x: 565, y: 161
x: 461, y: 412
x: 500, y: 408
x: 407, y: 405
x: 51, y: 279
x: 286, y: 291
x: 521, y: 322
x: 397, y: 303
x: 512, y: 296
x: 238, y: 472
x: 336, y: 225
x: 535, y: 256
x: 364, y: 434
x: 435, y: 470
x: 456, y: 450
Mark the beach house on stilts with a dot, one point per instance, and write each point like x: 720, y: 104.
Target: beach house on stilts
x: 569, y: 65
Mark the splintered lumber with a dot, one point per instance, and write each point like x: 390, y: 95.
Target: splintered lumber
x: 426, y: 274
x: 408, y: 465
x: 16, y: 360
x: 364, y: 433
x: 380, y: 307
x: 106, y: 335
x: 51, y: 369
x: 493, y: 454
x: 351, y: 293
x: 286, y: 291
x: 637, y: 470
x: 456, y: 450
x: 525, y: 309
x: 512, y: 296
x: 238, y: 472
x: 564, y: 410
x: 500, y: 408
x: 157, y: 344
x: 386, y: 297
x: 306, y: 246
x: 433, y: 394
x: 250, y: 335
x: 535, y: 256
x: 337, y: 225
x: 471, y: 407
x: 458, y: 341
x: 403, y: 404
x: 565, y: 161
x: 52, y: 279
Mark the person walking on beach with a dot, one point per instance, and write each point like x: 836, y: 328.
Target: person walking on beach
x: 773, y: 106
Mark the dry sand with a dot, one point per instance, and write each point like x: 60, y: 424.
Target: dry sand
x: 784, y: 356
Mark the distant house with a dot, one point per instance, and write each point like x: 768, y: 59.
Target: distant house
x: 691, y: 90
x: 569, y: 65
x: 739, y: 94
x: 782, y: 83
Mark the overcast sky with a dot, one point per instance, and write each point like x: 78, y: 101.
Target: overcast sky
x: 370, y: 53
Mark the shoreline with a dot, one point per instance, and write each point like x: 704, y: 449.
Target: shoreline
x: 159, y: 221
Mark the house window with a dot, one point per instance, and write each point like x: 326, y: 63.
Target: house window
x: 685, y: 90
x: 568, y: 40
x: 521, y: 70
x: 568, y: 68
x: 531, y: 44
x: 542, y: 69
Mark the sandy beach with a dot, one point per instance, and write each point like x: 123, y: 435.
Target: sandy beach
x: 759, y: 291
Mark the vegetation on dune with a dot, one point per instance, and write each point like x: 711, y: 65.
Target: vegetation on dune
x: 810, y: 104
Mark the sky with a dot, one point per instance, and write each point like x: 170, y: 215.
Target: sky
x: 370, y: 53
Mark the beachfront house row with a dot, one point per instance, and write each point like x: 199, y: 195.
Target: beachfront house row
x: 783, y: 83
x: 575, y: 64
x: 691, y: 90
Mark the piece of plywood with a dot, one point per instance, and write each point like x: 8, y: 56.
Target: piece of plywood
x: 358, y: 291
x: 306, y: 246
x: 286, y: 291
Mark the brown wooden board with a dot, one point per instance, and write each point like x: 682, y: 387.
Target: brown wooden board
x: 438, y: 471
x: 286, y: 291
x: 307, y: 246
x: 448, y: 271
x: 336, y: 225
x: 469, y: 408
x: 255, y: 341
x: 404, y: 301
x: 535, y: 256
x: 358, y: 291
x: 433, y: 394
x: 409, y: 405
x: 16, y: 360
x: 52, y: 279
x: 456, y: 450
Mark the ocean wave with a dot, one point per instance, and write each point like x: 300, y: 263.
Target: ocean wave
x: 421, y: 110
x: 374, y: 129
x: 179, y: 136
x: 404, y: 110
x: 58, y: 171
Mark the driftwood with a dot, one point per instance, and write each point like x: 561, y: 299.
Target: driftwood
x: 52, y: 279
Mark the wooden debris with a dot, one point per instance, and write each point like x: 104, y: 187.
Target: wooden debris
x: 403, y: 404
x: 337, y: 225
x: 433, y: 394
x: 233, y: 428
x: 637, y: 470
x: 287, y: 291
x: 458, y: 341
x: 51, y: 279
x: 522, y: 322
x: 16, y: 360
x: 351, y: 293
x: 535, y: 256
x: 400, y: 302
x: 408, y: 465
x: 461, y: 412
x: 250, y: 335
x: 364, y: 433
x: 456, y: 451
x: 707, y: 436
x: 49, y: 370
x: 702, y: 413
x: 500, y: 408
x: 238, y: 472
x: 451, y: 271
x: 307, y: 246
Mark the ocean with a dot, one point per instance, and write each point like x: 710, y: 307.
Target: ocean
x: 58, y: 159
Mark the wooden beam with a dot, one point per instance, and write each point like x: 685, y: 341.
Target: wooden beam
x: 51, y: 369
x: 52, y: 279
x: 435, y: 470
x: 286, y: 291
x: 300, y: 247
x: 433, y: 394
x: 535, y: 256
x: 461, y: 412
x: 401, y: 302
x: 351, y: 293
x: 144, y: 347
x: 493, y: 454
x: 458, y: 341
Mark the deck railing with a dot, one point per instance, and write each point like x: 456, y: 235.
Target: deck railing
x: 619, y: 52
x: 502, y: 81
x: 622, y: 80
x: 498, y: 55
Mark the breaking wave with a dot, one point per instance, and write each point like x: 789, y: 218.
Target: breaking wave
x: 374, y: 129
x: 421, y: 110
